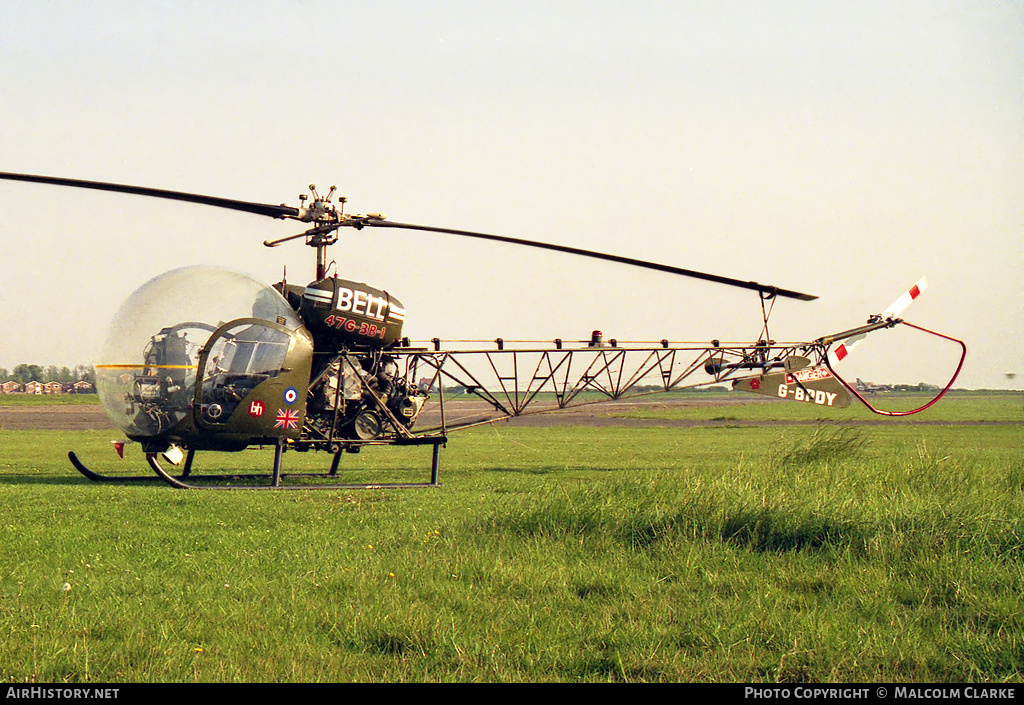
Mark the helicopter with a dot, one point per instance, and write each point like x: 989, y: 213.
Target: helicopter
x: 324, y: 366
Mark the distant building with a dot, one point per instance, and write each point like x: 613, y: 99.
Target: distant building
x: 34, y: 387
x: 10, y: 387
x: 53, y: 388
x: 82, y: 387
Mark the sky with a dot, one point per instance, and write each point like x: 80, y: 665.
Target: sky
x: 839, y: 149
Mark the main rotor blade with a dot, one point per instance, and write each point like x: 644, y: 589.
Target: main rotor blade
x: 284, y: 211
x: 754, y: 286
x: 245, y: 206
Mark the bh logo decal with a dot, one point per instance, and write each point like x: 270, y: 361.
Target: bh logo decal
x: 291, y: 395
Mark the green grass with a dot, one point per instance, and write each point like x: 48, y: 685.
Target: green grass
x: 955, y: 406
x: 47, y: 399
x: 809, y: 553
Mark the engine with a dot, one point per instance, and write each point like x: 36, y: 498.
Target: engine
x: 362, y: 397
x: 356, y: 392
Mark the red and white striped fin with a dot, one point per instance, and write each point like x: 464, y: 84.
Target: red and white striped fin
x: 895, y: 309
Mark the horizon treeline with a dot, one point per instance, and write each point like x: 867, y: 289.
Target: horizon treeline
x: 23, y: 374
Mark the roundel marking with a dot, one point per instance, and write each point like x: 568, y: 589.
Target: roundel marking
x: 291, y: 395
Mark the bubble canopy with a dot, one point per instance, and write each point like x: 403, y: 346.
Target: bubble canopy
x: 147, y: 368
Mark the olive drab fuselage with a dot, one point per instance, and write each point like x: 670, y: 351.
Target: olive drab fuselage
x: 232, y: 410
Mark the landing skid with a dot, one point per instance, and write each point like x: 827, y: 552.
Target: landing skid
x: 275, y: 479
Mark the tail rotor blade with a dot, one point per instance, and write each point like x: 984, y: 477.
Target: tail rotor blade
x: 895, y: 309
x: 899, y: 305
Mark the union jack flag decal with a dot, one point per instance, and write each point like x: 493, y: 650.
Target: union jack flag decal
x: 286, y: 418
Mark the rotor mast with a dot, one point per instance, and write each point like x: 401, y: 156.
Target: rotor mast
x: 322, y: 237
x: 327, y: 218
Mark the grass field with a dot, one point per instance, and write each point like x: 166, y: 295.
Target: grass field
x: 48, y: 399
x: 831, y: 552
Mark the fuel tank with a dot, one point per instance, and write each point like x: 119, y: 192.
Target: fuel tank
x: 339, y: 313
